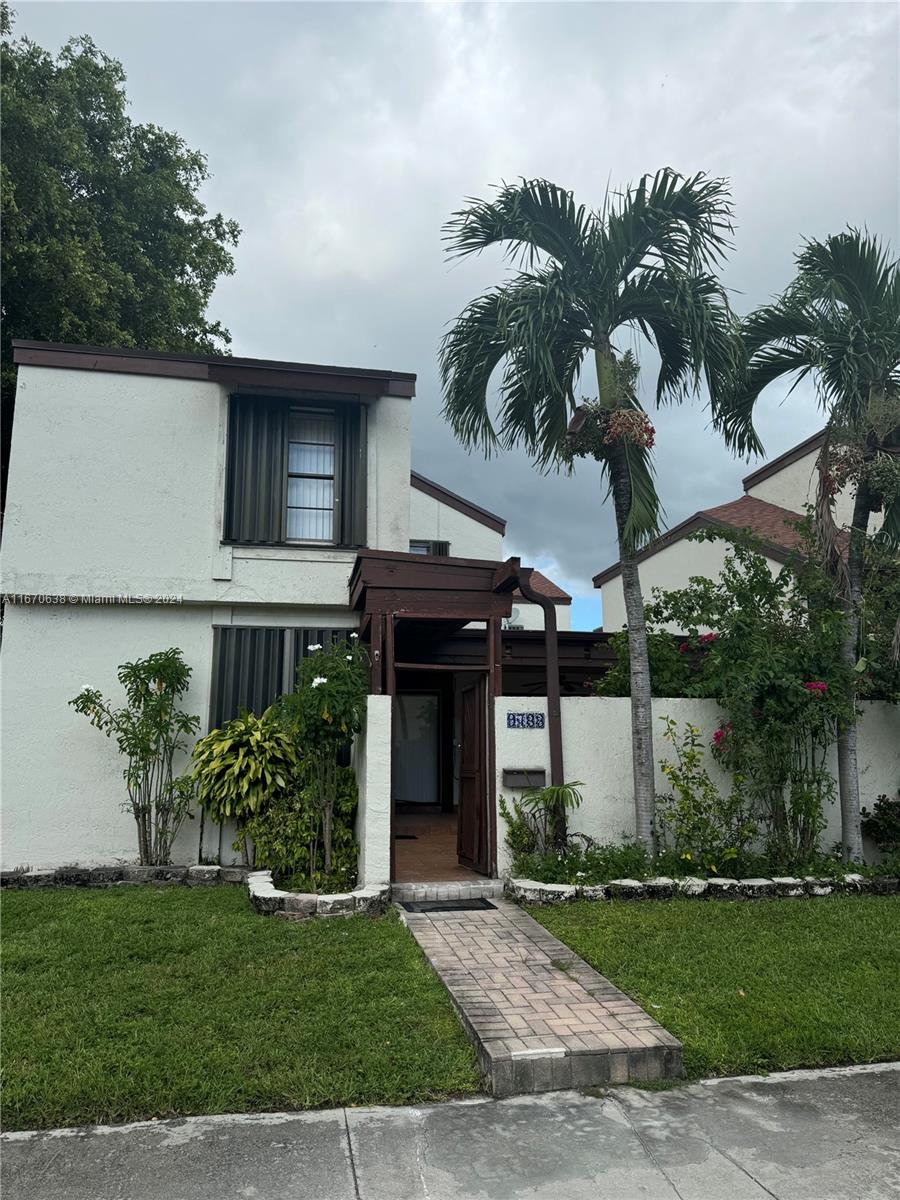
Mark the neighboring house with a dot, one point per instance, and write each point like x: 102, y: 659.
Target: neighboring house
x: 775, y: 498
x: 243, y: 510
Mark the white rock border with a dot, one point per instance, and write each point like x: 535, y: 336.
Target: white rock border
x: 122, y: 874
x: 268, y: 900
x: 530, y: 891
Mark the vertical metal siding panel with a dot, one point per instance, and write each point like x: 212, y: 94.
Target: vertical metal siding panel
x: 256, y: 475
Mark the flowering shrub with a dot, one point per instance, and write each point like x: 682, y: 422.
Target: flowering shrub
x: 774, y: 665
x: 149, y: 730
x: 322, y: 715
x: 702, y: 826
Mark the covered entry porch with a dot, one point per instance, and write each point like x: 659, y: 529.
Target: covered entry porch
x: 441, y: 693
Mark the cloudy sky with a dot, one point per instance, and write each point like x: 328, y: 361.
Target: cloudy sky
x: 342, y: 135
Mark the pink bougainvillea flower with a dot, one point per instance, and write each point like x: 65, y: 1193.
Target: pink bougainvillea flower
x: 683, y: 648
x: 706, y: 638
x: 816, y: 687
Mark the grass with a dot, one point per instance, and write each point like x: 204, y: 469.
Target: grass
x: 126, y: 1004
x: 752, y: 986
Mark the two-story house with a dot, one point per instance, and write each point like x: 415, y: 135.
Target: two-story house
x: 244, y: 510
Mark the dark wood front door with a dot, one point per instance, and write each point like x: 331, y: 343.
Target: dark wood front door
x: 473, y: 834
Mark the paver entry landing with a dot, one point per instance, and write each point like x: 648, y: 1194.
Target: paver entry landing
x: 540, y: 1017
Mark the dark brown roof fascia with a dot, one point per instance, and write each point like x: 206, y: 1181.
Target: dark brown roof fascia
x: 429, y: 488
x: 783, y: 460
x: 700, y: 520
x: 230, y: 371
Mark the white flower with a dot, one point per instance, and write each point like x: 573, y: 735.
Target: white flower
x: 316, y: 646
x: 349, y: 657
x: 319, y: 679
x: 354, y: 637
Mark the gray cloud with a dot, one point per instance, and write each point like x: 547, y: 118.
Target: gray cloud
x: 341, y: 136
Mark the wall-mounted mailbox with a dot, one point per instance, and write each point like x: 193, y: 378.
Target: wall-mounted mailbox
x: 524, y: 777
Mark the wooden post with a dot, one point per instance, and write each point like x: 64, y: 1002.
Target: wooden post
x: 390, y: 676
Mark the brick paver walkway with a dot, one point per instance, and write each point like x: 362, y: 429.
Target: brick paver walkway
x: 540, y: 1017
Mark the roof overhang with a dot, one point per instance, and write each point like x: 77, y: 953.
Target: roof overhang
x: 235, y: 373
x: 444, y: 496
x: 700, y: 520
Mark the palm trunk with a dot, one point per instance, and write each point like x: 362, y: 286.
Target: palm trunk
x: 848, y: 771
x: 639, y: 660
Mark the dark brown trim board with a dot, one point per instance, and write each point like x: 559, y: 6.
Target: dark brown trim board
x: 444, y: 496
x: 233, y: 372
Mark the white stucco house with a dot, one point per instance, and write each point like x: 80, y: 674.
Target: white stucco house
x: 774, y: 499
x: 242, y: 510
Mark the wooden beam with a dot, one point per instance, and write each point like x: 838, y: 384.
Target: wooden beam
x: 390, y: 678
x: 376, y: 655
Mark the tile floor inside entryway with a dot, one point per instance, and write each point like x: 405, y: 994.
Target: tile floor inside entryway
x: 540, y: 1017
x: 425, y: 849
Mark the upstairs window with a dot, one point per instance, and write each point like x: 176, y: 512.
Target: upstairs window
x: 295, y: 475
x: 439, y: 549
x: 311, y: 477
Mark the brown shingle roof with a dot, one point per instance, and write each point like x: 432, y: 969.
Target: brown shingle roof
x: 546, y: 587
x: 769, y: 522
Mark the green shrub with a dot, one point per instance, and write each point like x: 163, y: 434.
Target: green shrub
x: 882, y: 825
x: 700, y: 824
x: 537, y: 820
x: 288, y: 834
x: 242, y: 768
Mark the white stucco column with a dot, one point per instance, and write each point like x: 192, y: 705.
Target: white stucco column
x: 373, y: 774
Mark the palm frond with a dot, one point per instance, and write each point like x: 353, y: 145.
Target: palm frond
x: 644, y: 511
x: 889, y: 533
x: 469, y: 354
x: 667, y: 220
x: 849, y: 268
x: 534, y: 216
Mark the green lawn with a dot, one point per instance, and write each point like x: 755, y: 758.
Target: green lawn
x: 141, y: 1002
x: 752, y: 986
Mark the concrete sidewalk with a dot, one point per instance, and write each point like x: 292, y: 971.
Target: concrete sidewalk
x: 803, y: 1135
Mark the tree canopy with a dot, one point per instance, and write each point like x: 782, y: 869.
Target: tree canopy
x: 106, y: 241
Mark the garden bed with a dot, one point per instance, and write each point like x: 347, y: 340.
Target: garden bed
x: 123, y: 1004
x: 752, y: 987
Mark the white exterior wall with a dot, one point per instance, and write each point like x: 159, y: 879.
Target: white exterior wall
x: 596, y: 736
x: 372, y: 760
x: 668, y: 569
x: 795, y: 486
x: 531, y: 616
x: 117, y: 486
x: 61, y: 778
x: 432, y: 521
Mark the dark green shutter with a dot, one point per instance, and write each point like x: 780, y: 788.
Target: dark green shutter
x: 441, y: 549
x: 351, y: 483
x: 248, y: 669
x: 255, y: 485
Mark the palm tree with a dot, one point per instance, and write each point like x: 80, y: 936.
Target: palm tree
x: 839, y: 321
x: 640, y: 265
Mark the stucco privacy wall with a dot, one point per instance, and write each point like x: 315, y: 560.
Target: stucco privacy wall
x: 668, y: 569
x: 372, y: 760
x: 117, y: 486
x: 61, y: 779
x: 430, y: 520
x: 596, y: 734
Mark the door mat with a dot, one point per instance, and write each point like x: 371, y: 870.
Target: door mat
x: 430, y: 906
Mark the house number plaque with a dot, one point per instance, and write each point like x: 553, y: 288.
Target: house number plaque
x: 520, y: 720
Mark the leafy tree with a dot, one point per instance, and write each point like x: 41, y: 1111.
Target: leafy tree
x: 150, y: 730
x: 640, y: 265
x: 839, y: 321
x: 105, y: 240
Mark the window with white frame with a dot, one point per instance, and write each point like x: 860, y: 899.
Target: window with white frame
x: 311, y: 477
